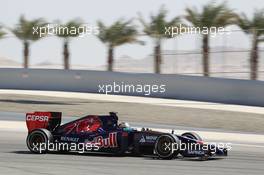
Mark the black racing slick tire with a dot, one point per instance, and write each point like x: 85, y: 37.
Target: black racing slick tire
x: 38, y: 141
x: 167, y: 146
x: 192, y: 135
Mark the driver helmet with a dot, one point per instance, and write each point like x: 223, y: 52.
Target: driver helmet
x: 124, y: 125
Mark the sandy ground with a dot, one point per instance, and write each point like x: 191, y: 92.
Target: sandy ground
x: 136, y: 112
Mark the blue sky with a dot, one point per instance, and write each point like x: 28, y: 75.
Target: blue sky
x: 89, y: 50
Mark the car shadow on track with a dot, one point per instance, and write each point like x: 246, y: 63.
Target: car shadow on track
x: 20, y: 152
x: 113, y: 155
x: 69, y: 153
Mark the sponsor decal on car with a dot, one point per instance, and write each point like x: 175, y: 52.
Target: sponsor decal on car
x: 37, y: 118
x: 69, y: 139
x: 142, y: 140
x: 148, y: 138
x: 108, y: 142
x: 196, y: 152
x: 151, y: 138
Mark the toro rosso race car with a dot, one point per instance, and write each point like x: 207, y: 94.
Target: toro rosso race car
x: 103, y: 134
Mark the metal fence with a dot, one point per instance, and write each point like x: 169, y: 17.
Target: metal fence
x: 229, y: 56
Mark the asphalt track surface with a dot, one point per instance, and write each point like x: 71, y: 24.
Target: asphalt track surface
x: 16, y: 159
x: 244, y: 158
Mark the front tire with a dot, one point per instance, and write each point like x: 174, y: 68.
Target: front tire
x: 167, y: 146
x: 37, y: 141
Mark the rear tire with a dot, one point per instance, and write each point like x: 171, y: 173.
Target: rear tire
x: 37, y: 141
x: 167, y: 146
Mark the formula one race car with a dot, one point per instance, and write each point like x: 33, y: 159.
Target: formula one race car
x: 103, y: 133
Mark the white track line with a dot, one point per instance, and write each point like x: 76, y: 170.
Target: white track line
x: 144, y: 100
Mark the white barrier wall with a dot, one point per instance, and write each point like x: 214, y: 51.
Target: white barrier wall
x: 232, y: 91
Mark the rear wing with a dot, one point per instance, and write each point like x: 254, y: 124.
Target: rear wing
x: 46, y: 120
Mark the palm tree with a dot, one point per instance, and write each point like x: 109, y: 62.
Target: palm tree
x: 212, y: 15
x: 24, y: 31
x: 67, y: 31
x: 2, y: 33
x: 119, y: 33
x: 156, y: 29
x: 254, y: 27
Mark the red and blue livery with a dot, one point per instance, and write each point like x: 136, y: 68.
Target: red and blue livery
x: 104, y: 134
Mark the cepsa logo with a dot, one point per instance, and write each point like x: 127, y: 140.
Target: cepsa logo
x: 37, y: 118
x: 109, y: 142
